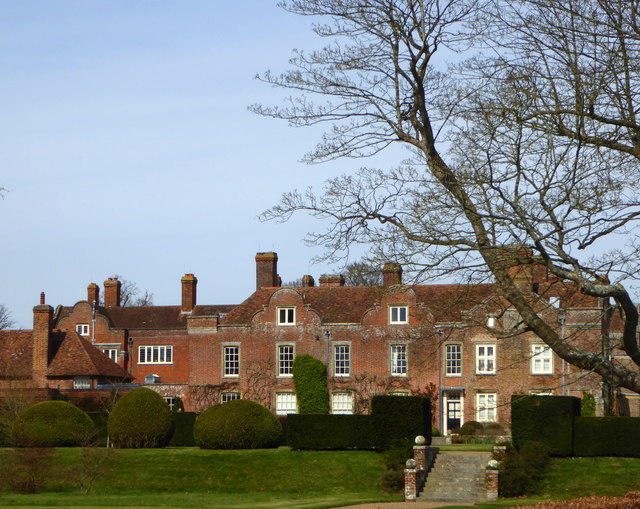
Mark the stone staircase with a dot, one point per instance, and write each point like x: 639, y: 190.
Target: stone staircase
x: 457, y: 477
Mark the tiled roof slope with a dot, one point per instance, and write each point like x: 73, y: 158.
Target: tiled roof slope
x: 15, y: 353
x: 77, y: 356
x: 348, y: 304
x: 152, y: 317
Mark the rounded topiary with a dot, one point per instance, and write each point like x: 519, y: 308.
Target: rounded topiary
x: 237, y: 424
x: 52, y: 424
x: 140, y: 419
x: 472, y: 428
x: 310, y: 383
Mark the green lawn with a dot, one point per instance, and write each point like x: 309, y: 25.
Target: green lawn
x: 190, y: 477
x: 280, y: 478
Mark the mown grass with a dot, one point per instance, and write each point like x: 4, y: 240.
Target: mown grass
x: 190, y: 477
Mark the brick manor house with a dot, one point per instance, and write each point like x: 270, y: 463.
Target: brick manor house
x: 450, y: 341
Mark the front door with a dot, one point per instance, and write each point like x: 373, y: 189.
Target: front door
x: 454, y: 411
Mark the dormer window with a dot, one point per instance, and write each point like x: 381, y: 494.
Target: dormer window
x: 287, y: 316
x: 398, y: 315
x: 82, y: 329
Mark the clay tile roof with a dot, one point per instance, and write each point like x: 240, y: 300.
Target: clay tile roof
x: 156, y: 317
x: 348, y: 304
x: 76, y: 357
x: 15, y: 353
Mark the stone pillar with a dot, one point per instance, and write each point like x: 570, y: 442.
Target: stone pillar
x: 492, y: 480
x: 410, y: 481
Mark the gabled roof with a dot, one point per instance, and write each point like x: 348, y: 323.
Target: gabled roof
x: 15, y: 353
x: 348, y: 304
x: 76, y: 357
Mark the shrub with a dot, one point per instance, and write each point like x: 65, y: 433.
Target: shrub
x: 588, y: 406
x: 546, y: 419
x: 140, y: 419
x: 493, y: 429
x: 322, y: 432
x: 28, y: 470
x: 470, y: 428
x: 395, y: 458
x: 51, y: 424
x: 435, y: 432
x: 183, y: 423
x: 237, y: 424
x: 521, y: 471
x: 399, y: 420
x: 310, y: 382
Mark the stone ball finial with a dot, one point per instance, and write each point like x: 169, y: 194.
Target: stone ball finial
x: 420, y: 440
x: 492, y: 465
x: 411, y: 463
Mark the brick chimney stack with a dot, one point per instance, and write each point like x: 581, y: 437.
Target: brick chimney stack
x: 93, y: 293
x: 332, y: 280
x: 266, y: 270
x: 42, y: 325
x: 189, y: 284
x: 391, y: 274
x: 112, y: 292
x: 308, y: 281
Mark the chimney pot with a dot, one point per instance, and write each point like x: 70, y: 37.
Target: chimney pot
x: 266, y: 270
x: 391, y: 274
x: 189, y: 286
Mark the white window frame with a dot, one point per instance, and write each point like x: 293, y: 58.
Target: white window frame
x: 486, y: 359
x: 286, y: 315
x: 170, y: 401
x: 541, y: 359
x: 342, y: 403
x: 230, y: 360
x: 229, y: 396
x: 82, y: 382
x: 112, y: 353
x: 453, y: 359
x: 155, y: 354
x: 286, y: 403
x: 399, y: 359
x: 83, y: 329
x: 285, y: 355
x: 396, y: 315
x: 486, y: 407
x: 342, y: 360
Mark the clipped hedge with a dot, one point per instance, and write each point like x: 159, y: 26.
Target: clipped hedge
x: 140, y: 419
x: 546, y: 419
x: 606, y: 436
x: 52, y: 424
x: 400, y: 419
x: 183, y: 423
x: 330, y: 432
x: 237, y: 424
x: 310, y: 383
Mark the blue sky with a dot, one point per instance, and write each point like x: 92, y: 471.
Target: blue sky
x: 127, y: 148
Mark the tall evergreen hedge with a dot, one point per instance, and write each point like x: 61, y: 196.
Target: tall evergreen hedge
x: 329, y: 432
x: 310, y: 382
x: 398, y: 420
x: 546, y: 419
x: 606, y: 436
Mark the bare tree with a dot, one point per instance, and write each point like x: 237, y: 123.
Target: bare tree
x: 6, y: 321
x: 362, y: 273
x: 131, y: 295
x: 526, y: 152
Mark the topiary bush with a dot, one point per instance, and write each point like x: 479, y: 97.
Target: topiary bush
x: 237, y: 424
x: 310, y: 382
x: 140, y: 419
x: 521, y: 471
x: 398, y: 420
x: 588, y: 405
x: 471, y: 428
x: 52, y: 424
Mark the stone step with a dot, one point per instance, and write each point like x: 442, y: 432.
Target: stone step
x: 457, y: 478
